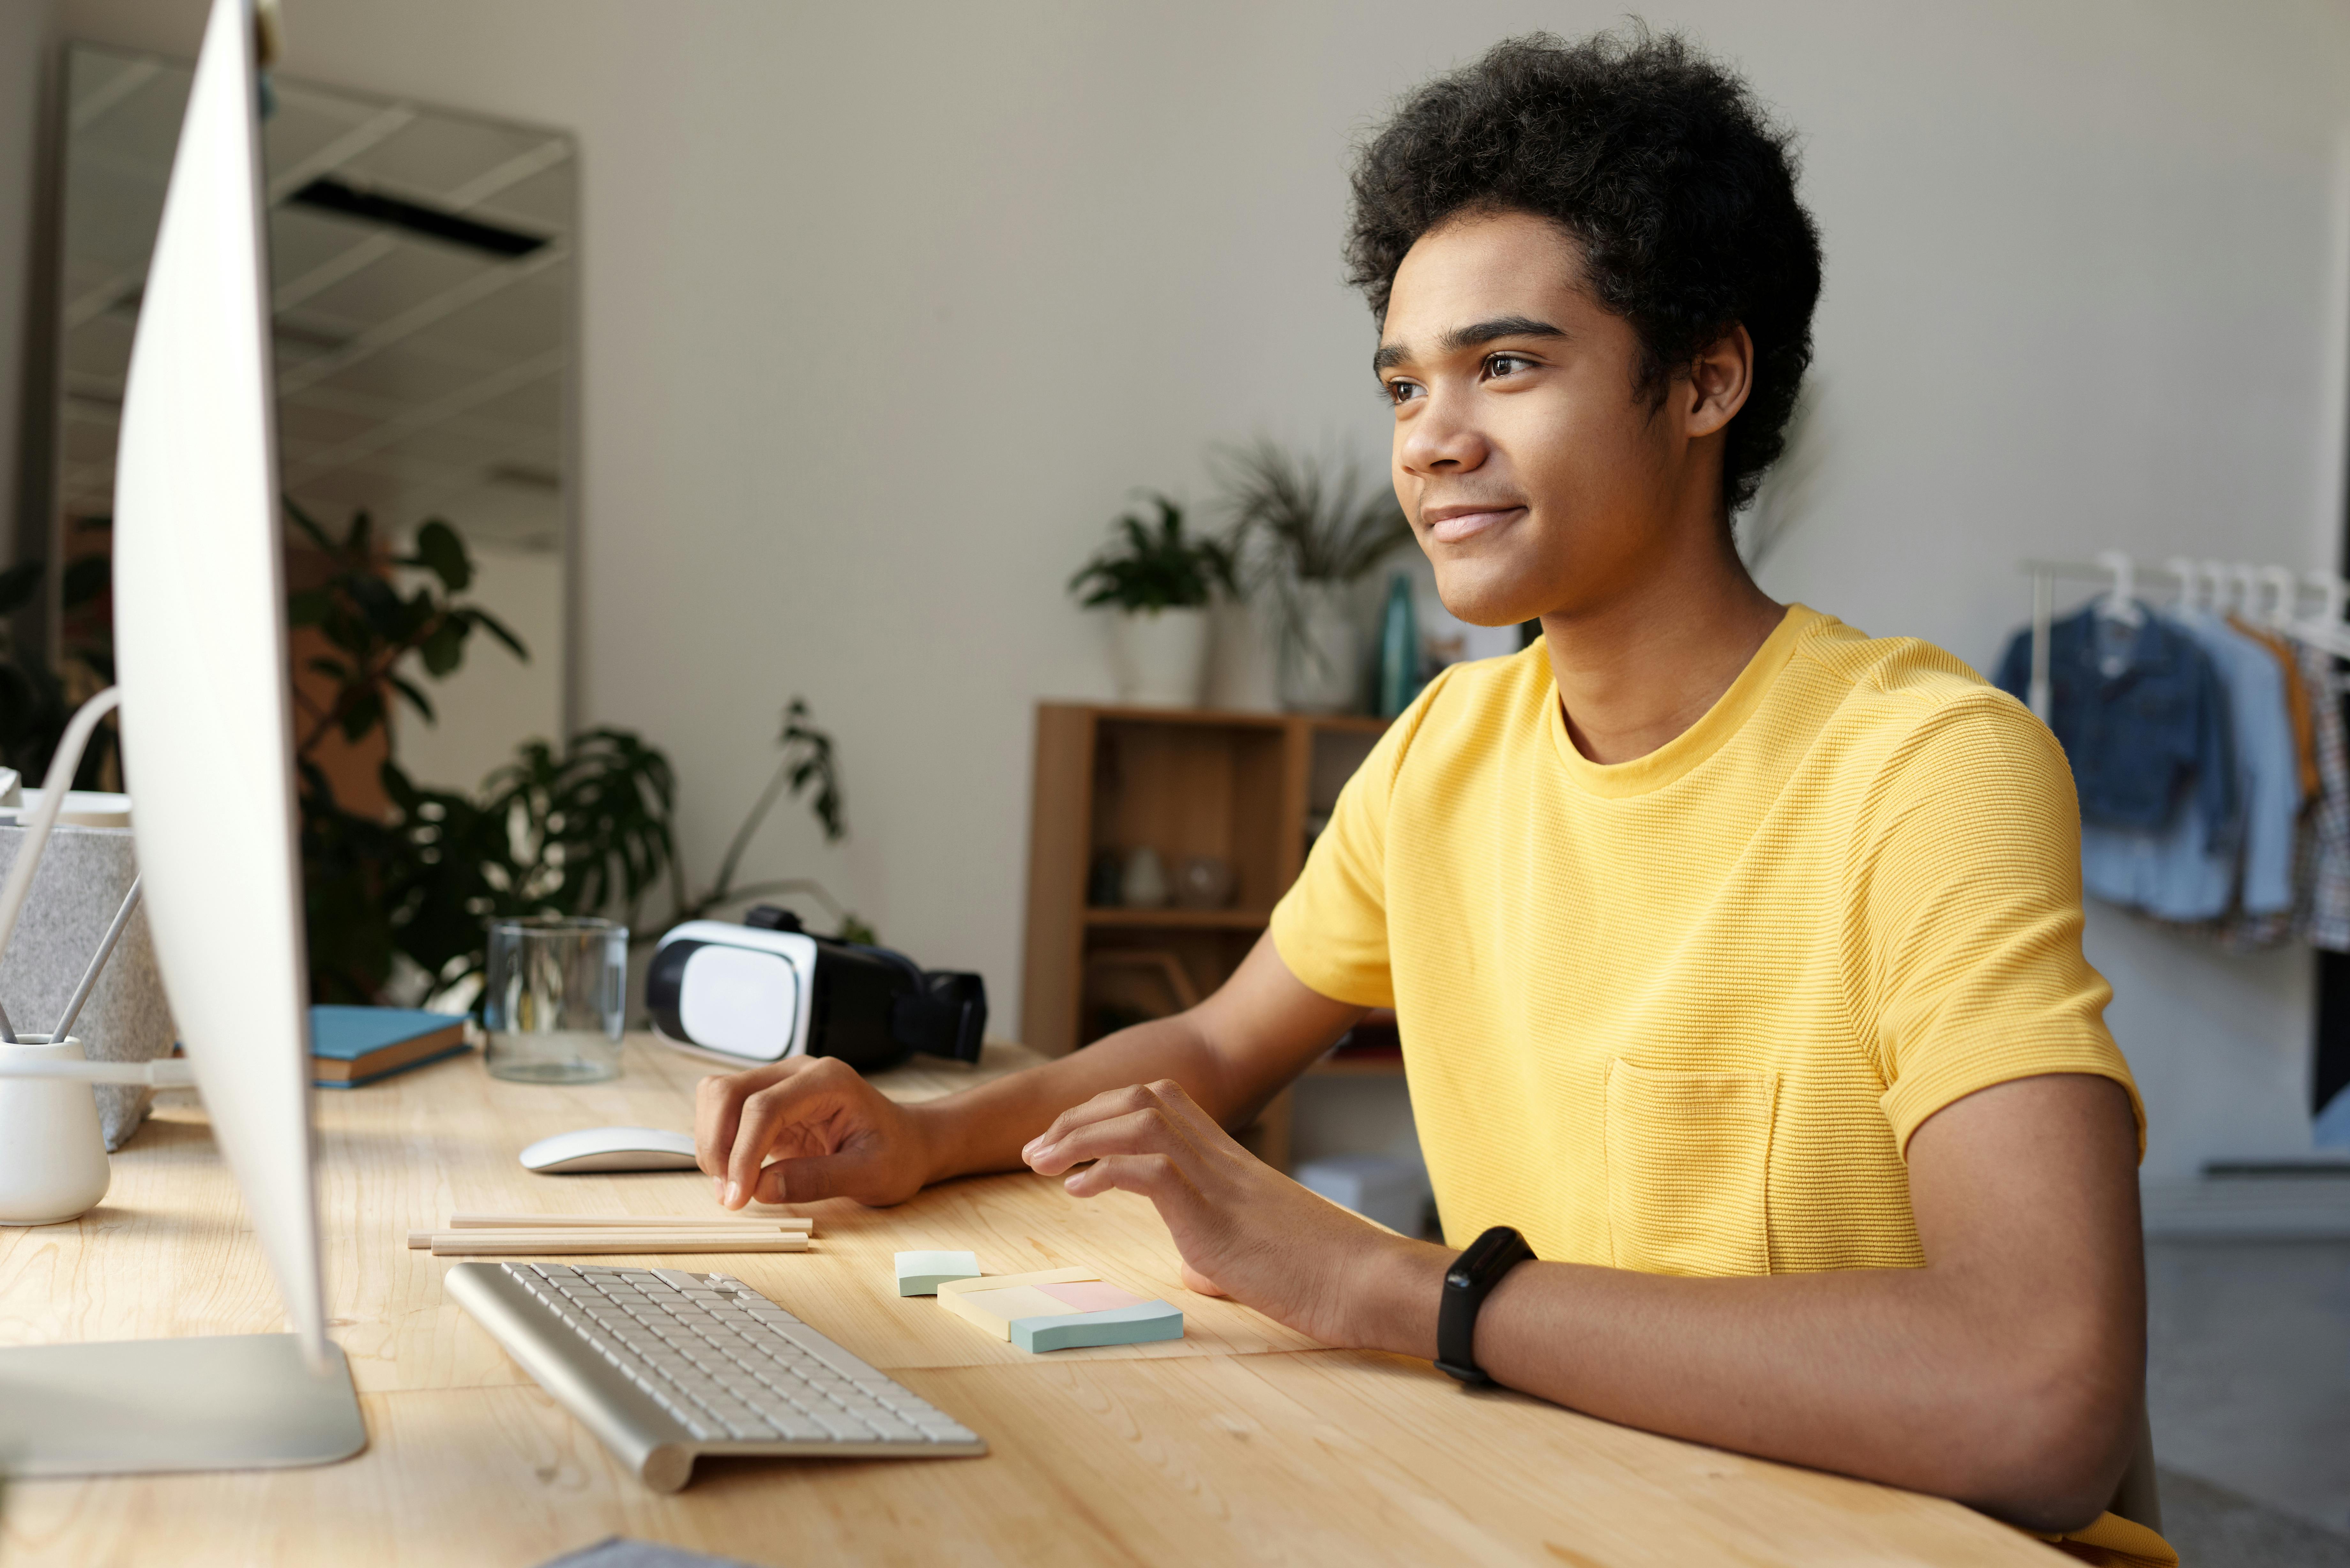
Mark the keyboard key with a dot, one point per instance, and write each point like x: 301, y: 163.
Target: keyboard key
x: 831, y: 1355
x: 945, y: 1430
x: 843, y: 1425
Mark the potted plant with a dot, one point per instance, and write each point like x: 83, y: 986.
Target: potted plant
x: 1160, y: 580
x: 1310, y: 532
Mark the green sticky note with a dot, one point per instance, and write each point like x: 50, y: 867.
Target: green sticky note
x: 1120, y: 1325
x: 922, y: 1274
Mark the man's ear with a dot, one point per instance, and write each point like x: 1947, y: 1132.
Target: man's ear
x: 1718, y: 381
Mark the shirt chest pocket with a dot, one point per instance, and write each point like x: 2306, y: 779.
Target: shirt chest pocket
x: 1688, y: 1158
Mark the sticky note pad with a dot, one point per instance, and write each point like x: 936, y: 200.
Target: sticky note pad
x: 922, y: 1274
x: 1022, y: 1292
x: 1137, y: 1324
x: 994, y: 1310
x: 1091, y: 1295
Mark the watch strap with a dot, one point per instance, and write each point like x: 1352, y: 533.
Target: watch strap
x: 1467, y: 1284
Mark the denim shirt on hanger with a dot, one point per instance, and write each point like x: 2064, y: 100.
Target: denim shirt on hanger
x: 2180, y: 873
x: 2142, y: 716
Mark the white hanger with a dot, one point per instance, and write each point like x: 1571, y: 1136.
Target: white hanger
x: 2335, y: 590
x: 2280, y: 583
x: 2248, y: 589
x: 2216, y: 574
x: 2191, y: 582
x: 2120, y: 605
x: 2327, y: 631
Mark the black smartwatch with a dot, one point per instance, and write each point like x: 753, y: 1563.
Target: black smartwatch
x: 1467, y: 1284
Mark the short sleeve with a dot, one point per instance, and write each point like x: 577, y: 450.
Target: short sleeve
x: 1331, y: 926
x: 1967, y: 894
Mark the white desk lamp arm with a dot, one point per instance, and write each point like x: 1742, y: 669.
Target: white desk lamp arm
x: 169, y: 1073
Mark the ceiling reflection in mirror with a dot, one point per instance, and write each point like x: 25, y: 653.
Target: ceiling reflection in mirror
x: 422, y: 277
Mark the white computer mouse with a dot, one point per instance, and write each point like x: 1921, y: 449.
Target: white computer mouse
x: 610, y: 1149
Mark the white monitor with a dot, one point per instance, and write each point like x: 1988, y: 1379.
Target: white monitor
x: 201, y: 654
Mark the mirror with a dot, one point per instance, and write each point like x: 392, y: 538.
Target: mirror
x: 423, y: 291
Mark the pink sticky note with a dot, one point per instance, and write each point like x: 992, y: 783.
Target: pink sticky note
x: 1091, y: 1295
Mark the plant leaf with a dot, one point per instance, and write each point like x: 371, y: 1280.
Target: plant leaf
x: 416, y: 699
x: 309, y: 526
x: 440, y: 551
x: 364, y: 714
x: 444, y: 649
x: 497, y: 628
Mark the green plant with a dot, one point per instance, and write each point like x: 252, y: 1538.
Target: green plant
x: 412, y: 882
x: 580, y: 832
x: 585, y: 829
x: 372, y: 627
x: 1299, y: 520
x: 1153, y: 569
x: 808, y: 760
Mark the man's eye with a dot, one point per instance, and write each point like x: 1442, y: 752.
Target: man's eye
x: 1400, y: 391
x: 1507, y: 364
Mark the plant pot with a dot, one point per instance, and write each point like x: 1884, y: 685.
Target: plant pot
x: 1160, y: 658
x: 1322, y: 654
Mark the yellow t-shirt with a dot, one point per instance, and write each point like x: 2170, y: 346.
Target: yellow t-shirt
x: 1682, y: 1014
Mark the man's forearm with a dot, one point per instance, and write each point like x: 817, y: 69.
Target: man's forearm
x: 982, y: 1129
x: 1232, y: 1054
x: 2006, y: 1372
x: 1890, y: 1373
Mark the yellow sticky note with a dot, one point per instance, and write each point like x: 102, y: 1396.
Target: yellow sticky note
x: 958, y: 1297
x: 995, y: 1310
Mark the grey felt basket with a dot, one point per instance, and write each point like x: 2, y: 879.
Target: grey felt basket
x: 83, y: 876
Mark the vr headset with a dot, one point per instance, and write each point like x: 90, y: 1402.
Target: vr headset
x: 766, y: 990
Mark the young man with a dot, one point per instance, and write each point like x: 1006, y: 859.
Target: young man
x: 1737, y: 954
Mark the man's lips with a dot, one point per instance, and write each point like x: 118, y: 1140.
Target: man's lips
x: 1452, y: 525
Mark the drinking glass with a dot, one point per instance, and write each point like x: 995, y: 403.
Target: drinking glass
x: 552, y: 1000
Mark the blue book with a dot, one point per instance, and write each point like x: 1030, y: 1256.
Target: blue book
x: 354, y: 1046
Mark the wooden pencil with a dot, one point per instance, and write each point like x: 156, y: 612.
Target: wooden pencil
x: 562, y: 1243
x: 631, y: 1223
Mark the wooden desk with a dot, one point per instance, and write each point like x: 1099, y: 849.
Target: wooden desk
x: 1241, y: 1442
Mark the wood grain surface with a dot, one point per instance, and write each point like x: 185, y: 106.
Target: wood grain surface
x: 1241, y: 1442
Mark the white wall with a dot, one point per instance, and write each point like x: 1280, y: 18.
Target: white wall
x: 886, y: 307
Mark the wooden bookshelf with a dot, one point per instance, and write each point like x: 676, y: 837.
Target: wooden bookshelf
x: 1239, y: 787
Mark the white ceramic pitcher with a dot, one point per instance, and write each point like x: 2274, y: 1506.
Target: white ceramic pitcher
x: 53, y: 1165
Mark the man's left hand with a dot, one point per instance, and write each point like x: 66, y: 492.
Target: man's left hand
x: 1244, y: 1229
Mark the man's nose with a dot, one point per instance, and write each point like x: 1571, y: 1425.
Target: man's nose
x: 1442, y: 440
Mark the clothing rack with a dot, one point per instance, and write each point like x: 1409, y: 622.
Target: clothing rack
x: 2232, y: 586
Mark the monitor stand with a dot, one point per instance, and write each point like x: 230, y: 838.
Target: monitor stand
x: 135, y: 1407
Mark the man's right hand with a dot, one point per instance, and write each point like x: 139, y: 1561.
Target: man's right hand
x: 830, y: 1135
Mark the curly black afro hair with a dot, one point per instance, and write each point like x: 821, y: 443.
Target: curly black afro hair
x: 1674, y: 181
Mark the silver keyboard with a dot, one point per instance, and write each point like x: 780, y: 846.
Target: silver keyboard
x: 665, y: 1366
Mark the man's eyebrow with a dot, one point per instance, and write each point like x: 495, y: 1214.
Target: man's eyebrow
x: 1393, y: 354
x: 1499, y: 327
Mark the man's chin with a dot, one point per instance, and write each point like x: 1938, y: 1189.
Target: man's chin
x: 1486, y: 597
